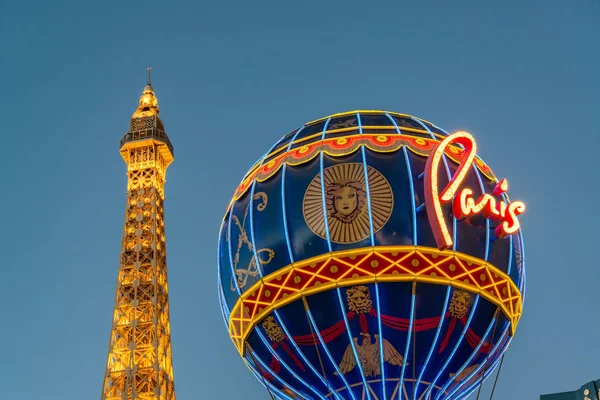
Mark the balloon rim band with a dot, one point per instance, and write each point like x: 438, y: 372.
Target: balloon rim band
x: 338, y: 146
x: 367, y: 265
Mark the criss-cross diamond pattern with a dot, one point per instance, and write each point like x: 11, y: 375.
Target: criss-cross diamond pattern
x: 368, y: 265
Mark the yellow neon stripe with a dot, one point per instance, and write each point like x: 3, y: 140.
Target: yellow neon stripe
x: 341, y: 130
x: 288, y: 159
x: 342, y: 114
x: 365, y: 112
x: 387, y: 264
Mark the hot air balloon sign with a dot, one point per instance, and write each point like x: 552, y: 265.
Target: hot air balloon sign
x: 371, y: 255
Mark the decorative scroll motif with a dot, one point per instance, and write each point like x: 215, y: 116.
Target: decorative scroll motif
x: 264, y: 256
x: 346, y: 203
x: 341, y: 146
x: 381, y: 264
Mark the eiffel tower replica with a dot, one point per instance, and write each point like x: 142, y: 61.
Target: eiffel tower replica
x: 139, y: 362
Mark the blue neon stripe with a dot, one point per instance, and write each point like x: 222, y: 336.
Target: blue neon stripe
x: 306, y: 361
x: 485, y: 376
x: 456, y: 346
x: 324, y: 346
x: 251, y: 216
x: 408, y: 339
x: 487, y: 221
x: 435, y: 339
x: 291, y: 254
x: 437, y: 127
x: 410, y: 181
x: 224, y: 308
x: 283, y: 204
x: 382, y: 359
x: 219, y: 283
x: 262, y: 158
x: 372, y: 235
x: 445, y: 158
x: 358, y: 363
x: 481, y: 380
x: 510, y: 249
x: 323, y: 189
x: 510, y: 253
x: 231, y: 213
x: 233, y: 275
x: 454, y: 228
x: 365, y: 170
x: 286, y: 366
x: 284, y: 215
x: 523, y: 285
x: 412, y: 195
x: 250, y: 363
x: 461, y: 369
x: 483, y: 365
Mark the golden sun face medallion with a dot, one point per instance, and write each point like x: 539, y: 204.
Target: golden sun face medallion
x: 346, y: 207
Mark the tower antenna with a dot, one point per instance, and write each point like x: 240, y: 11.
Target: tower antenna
x: 149, y: 69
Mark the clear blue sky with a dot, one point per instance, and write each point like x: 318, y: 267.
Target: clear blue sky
x: 231, y: 78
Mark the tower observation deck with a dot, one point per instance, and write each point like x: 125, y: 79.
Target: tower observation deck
x: 139, y: 362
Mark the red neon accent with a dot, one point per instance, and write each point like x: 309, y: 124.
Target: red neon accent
x: 448, y: 334
x: 501, y: 187
x: 464, y: 205
x: 473, y: 339
x: 289, y: 351
x: 433, y: 199
x: 511, y: 225
x: 402, y: 324
x: 362, y: 318
x: 274, y: 366
x: 328, y: 334
x: 399, y: 324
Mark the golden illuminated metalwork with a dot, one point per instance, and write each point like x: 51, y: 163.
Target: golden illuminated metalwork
x: 139, y: 357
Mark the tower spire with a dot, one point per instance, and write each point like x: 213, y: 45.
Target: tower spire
x: 148, y: 105
x: 139, y: 365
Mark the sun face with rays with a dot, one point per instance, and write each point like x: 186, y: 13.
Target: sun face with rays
x: 346, y: 202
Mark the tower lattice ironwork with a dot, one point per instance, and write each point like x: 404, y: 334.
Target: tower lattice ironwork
x: 139, y: 362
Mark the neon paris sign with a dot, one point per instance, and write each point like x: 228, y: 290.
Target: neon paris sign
x: 464, y: 204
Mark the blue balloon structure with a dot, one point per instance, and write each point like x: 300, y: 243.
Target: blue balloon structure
x: 371, y: 255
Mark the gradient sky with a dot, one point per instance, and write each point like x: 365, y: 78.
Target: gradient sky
x: 234, y: 76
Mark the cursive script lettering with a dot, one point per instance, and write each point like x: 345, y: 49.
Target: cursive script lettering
x: 464, y: 204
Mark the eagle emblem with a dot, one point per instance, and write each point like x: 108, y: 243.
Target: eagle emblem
x: 369, y: 356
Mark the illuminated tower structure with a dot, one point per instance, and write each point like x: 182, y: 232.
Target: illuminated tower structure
x: 139, y: 362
